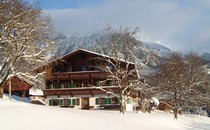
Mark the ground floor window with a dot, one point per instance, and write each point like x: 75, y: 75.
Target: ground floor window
x: 106, y: 101
x: 64, y: 102
x: 54, y: 102
x: 77, y: 102
x: 115, y: 100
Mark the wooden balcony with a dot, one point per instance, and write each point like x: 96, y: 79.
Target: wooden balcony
x: 80, y: 91
x: 79, y: 75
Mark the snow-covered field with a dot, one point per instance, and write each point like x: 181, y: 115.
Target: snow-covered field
x: 15, y: 115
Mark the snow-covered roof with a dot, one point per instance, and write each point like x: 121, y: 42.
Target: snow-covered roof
x: 92, y: 52
x: 83, y: 50
x: 36, y: 92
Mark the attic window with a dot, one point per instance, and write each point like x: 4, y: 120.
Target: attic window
x: 70, y: 68
x: 84, y: 67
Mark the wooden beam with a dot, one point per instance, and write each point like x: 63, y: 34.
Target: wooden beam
x: 70, y: 93
x: 91, y: 92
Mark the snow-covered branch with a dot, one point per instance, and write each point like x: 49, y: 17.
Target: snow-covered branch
x: 25, y: 37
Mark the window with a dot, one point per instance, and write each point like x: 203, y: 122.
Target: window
x: 77, y: 102
x: 64, y: 85
x: 54, y: 102
x: 85, y: 84
x: 84, y: 67
x: 50, y: 86
x: 71, y: 85
x: 108, y: 83
x: 56, y: 85
x: 53, y: 85
x: 70, y: 68
x: 65, y: 102
x: 106, y: 101
x: 115, y: 100
x: 102, y: 101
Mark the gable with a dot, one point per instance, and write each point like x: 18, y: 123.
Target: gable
x: 74, y: 60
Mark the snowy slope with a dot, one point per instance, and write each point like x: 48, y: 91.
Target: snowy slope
x: 206, y: 56
x: 66, y: 44
x: 15, y: 115
x: 159, y: 49
x: 17, y: 98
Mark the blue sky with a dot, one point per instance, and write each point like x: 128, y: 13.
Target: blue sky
x: 61, y: 4
x: 181, y: 25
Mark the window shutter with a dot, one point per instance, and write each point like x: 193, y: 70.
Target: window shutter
x: 69, y: 102
x: 50, y: 86
x: 108, y: 100
x: 68, y: 85
x: 60, y: 103
x: 73, y: 102
x: 50, y: 102
x: 96, y: 101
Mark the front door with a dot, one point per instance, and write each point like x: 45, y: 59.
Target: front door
x: 85, y: 103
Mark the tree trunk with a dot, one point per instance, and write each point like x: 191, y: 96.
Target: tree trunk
x: 175, y: 111
x: 10, y: 89
x: 1, y: 92
x: 122, y: 110
x: 23, y: 95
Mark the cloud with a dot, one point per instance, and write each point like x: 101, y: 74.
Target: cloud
x: 180, y: 25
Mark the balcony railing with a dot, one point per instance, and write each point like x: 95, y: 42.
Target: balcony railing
x: 79, y: 84
x: 76, y: 75
x: 81, y: 91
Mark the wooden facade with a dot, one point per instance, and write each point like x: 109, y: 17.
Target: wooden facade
x: 74, y: 79
x: 18, y: 87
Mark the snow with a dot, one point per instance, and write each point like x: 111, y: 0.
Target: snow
x: 160, y: 50
x: 16, y: 115
x: 35, y: 92
x: 17, y: 98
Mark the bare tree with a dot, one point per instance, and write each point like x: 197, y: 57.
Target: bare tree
x: 119, y: 44
x: 184, y: 80
x: 25, y: 39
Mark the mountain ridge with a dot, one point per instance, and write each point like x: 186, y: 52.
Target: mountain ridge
x: 68, y: 44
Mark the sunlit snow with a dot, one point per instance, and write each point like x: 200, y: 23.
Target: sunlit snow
x: 16, y: 115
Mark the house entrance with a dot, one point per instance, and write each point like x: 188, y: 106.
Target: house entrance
x: 85, y: 103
